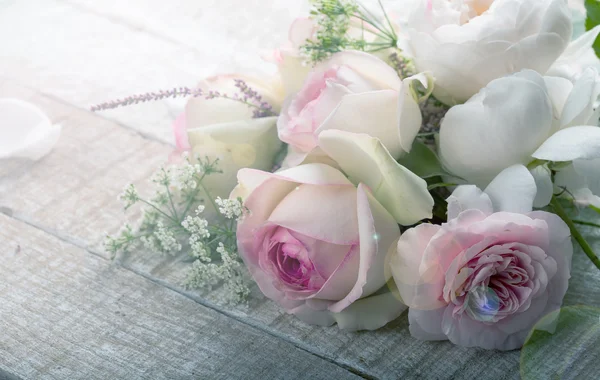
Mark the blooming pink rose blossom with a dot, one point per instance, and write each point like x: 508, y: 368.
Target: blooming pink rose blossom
x: 316, y: 244
x: 484, y: 278
x: 354, y: 92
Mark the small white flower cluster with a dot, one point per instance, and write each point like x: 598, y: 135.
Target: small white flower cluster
x: 231, y: 208
x: 129, y: 196
x: 198, y: 229
x: 169, y: 226
x: 163, y: 240
x: 196, y: 225
x: 231, y: 272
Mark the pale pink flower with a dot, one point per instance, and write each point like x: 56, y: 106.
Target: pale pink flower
x: 316, y: 244
x: 485, y: 278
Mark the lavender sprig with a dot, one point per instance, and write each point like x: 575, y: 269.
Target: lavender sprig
x: 246, y: 95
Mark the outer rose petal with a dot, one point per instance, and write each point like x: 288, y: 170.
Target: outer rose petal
x: 201, y: 112
x: 513, y: 190
x: 375, y: 113
x: 298, y: 212
x: 369, y: 66
x: 366, y: 160
x: 180, y: 132
x: 571, y: 144
x: 572, y: 62
x: 468, y: 197
x: 241, y: 144
x: 499, y: 127
x: 26, y: 132
x: 579, y: 107
x: 370, y: 313
x: 378, y: 231
x: 545, y: 187
x: 417, y: 290
x: 426, y: 324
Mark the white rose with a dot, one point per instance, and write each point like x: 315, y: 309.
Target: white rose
x: 525, y: 119
x: 227, y: 129
x: 468, y: 43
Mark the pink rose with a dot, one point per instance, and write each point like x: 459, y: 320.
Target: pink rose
x: 354, y: 92
x: 316, y: 244
x: 485, y: 278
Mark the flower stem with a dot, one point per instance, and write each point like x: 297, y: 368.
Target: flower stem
x: 584, y: 223
x: 158, y: 210
x: 560, y: 211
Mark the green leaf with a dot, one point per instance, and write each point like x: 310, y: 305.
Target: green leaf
x: 592, y: 8
x: 422, y: 161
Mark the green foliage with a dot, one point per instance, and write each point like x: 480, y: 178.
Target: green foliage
x: 592, y: 8
x: 422, y: 161
x: 334, y: 19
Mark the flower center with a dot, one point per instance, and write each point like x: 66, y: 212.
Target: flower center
x: 289, y: 260
x: 493, y: 285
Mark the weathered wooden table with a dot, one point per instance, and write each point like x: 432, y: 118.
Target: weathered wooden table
x: 66, y: 310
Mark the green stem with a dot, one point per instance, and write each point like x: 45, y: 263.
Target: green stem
x: 560, y: 211
x: 172, y: 203
x: 584, y: 223
x: 388, y: 21
x: 212, y: 201
x: 159, y: 210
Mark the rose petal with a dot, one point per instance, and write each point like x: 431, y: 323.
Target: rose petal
x: 543, y: 182
x: 25, y: 132
x: 377, y: 231
x: 468, y: 197
x: 513, y: 190
x: 332, y: 218
x: 417, y: 290
x: 499, y: 127
x: 367, y: 161
x: 570, y: 144
x: 375, y: 113
x: 368, y: 66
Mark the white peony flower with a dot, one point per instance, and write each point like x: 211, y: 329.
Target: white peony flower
x: 525, y: 119
x: 468, y: 43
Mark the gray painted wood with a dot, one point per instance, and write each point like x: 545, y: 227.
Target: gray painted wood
x: 68, y: 314
x: 68, y: 54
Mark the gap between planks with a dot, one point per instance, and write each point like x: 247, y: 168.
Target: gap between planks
x: 247, y: 322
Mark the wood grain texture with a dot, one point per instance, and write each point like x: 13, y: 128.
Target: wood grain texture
x: 68, y: 314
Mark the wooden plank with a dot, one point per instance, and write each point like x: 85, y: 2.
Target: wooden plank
x: 69, y: 314
x: 81, y: 212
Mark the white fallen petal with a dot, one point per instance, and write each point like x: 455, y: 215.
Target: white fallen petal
x: 25, y: 131
x: 403, y: 194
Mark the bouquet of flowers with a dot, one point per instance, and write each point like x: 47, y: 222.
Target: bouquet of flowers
x: 428, y: 155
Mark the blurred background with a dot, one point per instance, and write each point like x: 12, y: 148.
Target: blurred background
x: 83, y: 52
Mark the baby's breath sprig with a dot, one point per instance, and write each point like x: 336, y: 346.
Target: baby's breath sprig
x: 175, y: 219
x: 334, y: 19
